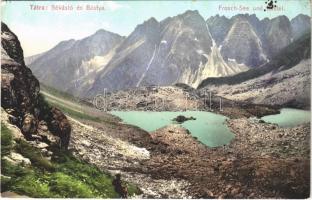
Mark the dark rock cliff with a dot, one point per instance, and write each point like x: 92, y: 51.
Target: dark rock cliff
x: 21, y: 99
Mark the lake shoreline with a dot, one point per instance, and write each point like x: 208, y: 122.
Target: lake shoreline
x: 238, y: 170
x: 251, y: 150
x: 177, y: 99
x: 208, y: 127
x: 246, y: 168
x: 288, y: 117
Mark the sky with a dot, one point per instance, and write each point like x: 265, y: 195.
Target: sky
x: 41, y: 30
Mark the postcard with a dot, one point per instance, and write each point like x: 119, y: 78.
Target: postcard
x: 156, y: 99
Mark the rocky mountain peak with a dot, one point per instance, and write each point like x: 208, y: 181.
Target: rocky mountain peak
x: 246, y: 16
x: 60, y: 47
x: 219, y: 27
x: 100, y: 31
x: 66, y: 42
x: 11, y: 45
x: 99, y: 43
x: 281, y: 21
x: 105, y: 34
x: 191, y: 17
x: 148, y: 30
x: 151, y: 21
x: 243, y: 44
x: 101, y: 35
x: 300, y: 24
x: 182, y: 48
x: 189, y: 13
x: 216, y: 17
x: 278, y: 34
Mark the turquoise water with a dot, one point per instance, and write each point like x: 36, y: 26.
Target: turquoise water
x: 289, y: 117
x: 208, y: 127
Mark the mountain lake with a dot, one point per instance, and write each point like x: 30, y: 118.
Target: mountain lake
x: 289, y: 117
x: 209, y: 128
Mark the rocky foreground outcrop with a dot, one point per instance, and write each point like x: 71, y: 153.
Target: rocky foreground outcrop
x: 21, y: 101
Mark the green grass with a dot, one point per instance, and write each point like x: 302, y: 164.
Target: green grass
x: 75, y: 114
x: 32, y: 185
x: 68, y: 186
x: 70, y: 111
x: 6, y: 140
x: 63, y: 95
x: 34, y: 155
x: 58, y: 93
x: 63, y: 177
x: 82, y: 115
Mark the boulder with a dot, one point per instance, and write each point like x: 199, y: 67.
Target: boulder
x: 16, y: 132
x: 29, y: 125
x: 86, y: 143
x: 17, y: 159
x: 43, y: 126
x: 36, y: 137
x: 141, y: 104
x: 48, y: 137
x: 41, y: 145
x: 60, y: 126
x: 235, y: 191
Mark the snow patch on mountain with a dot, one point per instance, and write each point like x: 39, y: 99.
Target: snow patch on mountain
x: 217, y: 67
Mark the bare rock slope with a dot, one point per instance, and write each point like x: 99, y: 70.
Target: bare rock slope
x: 288, y: 88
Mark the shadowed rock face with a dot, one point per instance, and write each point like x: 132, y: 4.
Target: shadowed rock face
x: 300, y: 24
x: 219, y: 27
x: 60, y: 124
x: 20, y: 93
x: 243, y: 44
x: 19, y: 88
x: 278, y: 34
